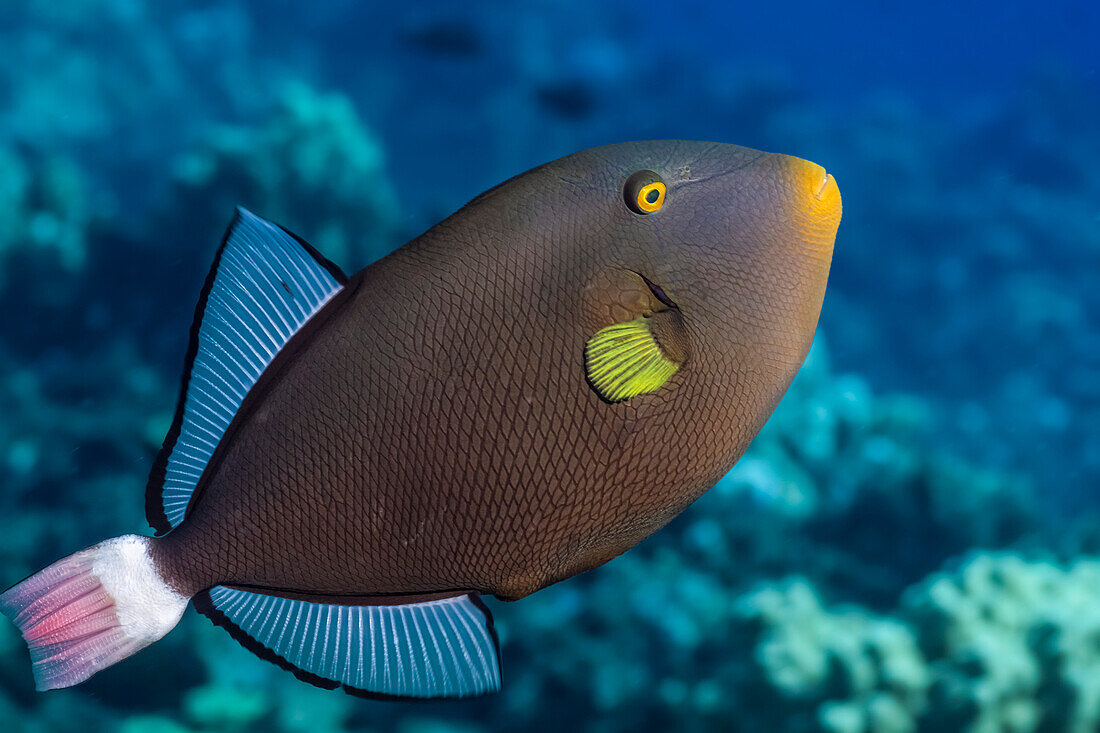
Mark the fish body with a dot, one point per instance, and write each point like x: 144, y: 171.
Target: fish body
x: 522, y: 393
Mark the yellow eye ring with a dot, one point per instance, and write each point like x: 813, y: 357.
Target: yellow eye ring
x: 644, y: 192
x: 651, y: 197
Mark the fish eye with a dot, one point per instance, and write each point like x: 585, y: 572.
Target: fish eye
x: 644, y: 192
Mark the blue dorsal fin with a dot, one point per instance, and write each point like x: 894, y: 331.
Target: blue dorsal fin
x: 440, y: 648
x: 264, y: 285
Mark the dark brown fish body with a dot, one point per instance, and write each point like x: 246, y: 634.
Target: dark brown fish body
x: 436, y: 431
x: 522, y: 393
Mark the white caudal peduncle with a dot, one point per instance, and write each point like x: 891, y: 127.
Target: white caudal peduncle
x: 146, y: 606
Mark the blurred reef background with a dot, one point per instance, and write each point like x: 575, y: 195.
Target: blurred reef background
x: 911, y: 544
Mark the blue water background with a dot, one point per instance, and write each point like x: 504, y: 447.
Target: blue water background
x: 944, y: 434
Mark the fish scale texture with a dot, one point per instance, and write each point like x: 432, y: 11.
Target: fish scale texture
x: 437, y: 431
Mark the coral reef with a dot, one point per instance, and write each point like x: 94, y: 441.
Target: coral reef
x: 46, y: 211
x: 1000, y: 644
x: 843, y: 671
x: 1011, y: 645
x: 311, y: 166
x: 80, y: 433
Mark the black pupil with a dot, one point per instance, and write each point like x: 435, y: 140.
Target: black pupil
x: 651, y: 196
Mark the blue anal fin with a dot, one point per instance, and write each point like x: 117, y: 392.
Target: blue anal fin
x: 433, y: 649
x: 264, y: 286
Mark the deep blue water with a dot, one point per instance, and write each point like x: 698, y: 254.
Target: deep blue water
x: 919, y: 516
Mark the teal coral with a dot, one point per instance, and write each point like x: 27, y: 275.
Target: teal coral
x: 852, y: 671
x: 46, y: 209
x: 221, y: 706
x: 1002, y: 644
x: 312, y: 166
x: 1013, y: 644
x: 151, y: 724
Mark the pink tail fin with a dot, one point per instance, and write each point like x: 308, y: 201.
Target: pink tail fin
x: 91, y: 610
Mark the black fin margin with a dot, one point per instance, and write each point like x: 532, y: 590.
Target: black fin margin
x: 332, y: 267
x: 490, y: 626
x: 154, y: 486
x: 204, y: 604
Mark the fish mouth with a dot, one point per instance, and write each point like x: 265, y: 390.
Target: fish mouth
x: 811, y: 176
x: 816, y: 189
x: 827, y: 181
x: 814, y: 205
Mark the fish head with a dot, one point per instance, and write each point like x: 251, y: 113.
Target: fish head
x: 739, y: 240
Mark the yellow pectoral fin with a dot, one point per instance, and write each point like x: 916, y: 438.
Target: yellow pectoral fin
x: 626, y: 359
